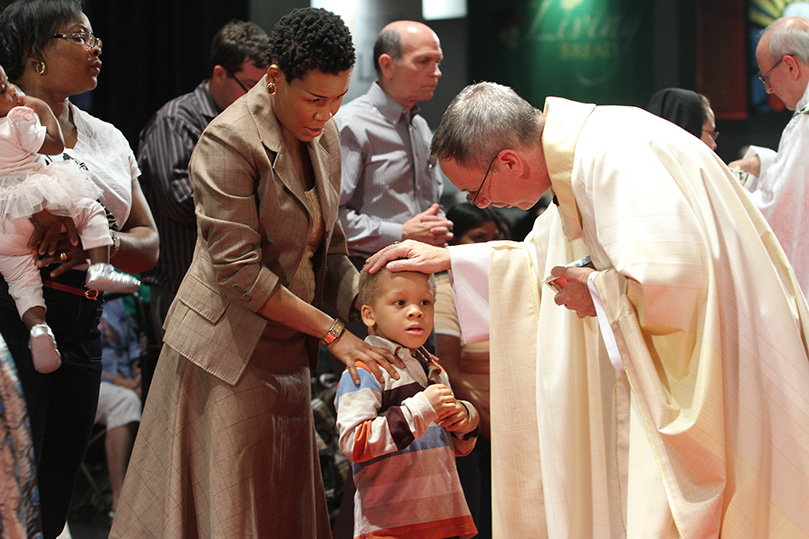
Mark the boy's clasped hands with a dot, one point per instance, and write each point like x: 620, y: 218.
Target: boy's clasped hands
x: 452, y: 415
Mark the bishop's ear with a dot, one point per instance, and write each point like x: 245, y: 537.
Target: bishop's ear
x: 510, y: 160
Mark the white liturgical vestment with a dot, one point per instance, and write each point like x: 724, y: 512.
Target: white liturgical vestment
x: 706, y: 432
x: 782, y: 191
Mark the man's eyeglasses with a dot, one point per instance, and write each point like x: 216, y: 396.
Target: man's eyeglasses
x: 713, y: 134
x: 765, y: 77
x: 472, y: 199
x: 234, y: 77
x: 85, y: 38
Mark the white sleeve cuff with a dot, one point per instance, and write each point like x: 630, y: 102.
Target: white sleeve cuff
x: 469, y: 275
x: 766, y: 155
x: 389, y: 232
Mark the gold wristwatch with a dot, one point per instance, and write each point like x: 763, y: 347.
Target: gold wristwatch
x: 335, y: 331
x: 116, y: 243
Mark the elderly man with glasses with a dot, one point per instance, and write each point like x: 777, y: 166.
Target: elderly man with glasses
x: 664, y: 391
x: 781, y: 191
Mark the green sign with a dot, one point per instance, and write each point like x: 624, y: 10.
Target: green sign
x: 598, y: 51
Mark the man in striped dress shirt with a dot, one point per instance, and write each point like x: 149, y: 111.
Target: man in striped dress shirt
x: 239, y: 58
x: 391, y: 187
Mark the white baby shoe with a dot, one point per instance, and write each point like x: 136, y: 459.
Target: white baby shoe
x: 104, y: 278
x: 43, y: 349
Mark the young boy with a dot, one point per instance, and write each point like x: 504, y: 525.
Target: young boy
x: 402, y: 436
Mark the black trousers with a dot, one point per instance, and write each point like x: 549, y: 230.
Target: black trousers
x: 62, y: 404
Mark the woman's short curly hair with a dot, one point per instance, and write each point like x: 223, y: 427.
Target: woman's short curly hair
x: 27, y: 25
x: 311, y: 38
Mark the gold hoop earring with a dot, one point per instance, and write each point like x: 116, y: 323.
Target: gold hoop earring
x: 39, y: 67
x: 271, y: 88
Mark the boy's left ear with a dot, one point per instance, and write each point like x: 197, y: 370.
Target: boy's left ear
x: 367, y: 316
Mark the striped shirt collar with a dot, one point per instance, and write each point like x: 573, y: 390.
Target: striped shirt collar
x: 208, y: 105
x: 401, y: 352
x: 389, y: 107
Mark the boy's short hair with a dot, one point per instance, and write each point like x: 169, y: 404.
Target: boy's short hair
x: 371, y: 283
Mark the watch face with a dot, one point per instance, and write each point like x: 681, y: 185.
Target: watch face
x: 116, y: 243
x: 335, y: 331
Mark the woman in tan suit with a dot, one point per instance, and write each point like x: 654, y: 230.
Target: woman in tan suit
x: 226, y: 447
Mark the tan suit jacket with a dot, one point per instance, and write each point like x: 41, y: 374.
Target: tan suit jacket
x: 253, y: 222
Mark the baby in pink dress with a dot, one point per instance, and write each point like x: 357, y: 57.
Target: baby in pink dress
x: 29, y: 131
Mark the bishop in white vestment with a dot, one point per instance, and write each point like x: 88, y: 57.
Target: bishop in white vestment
x: 682, y: 408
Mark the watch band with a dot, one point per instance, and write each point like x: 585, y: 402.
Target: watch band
x: 335, y: 331
x: 116, y: 243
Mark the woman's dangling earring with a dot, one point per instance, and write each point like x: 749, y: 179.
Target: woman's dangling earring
x: 39, y: 67
x: 271, y: 88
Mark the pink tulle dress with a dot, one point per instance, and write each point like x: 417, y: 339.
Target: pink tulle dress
x: 27, y: 184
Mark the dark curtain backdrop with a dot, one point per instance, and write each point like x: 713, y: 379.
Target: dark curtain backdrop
x: 722, y: 66
x: 153, y: 51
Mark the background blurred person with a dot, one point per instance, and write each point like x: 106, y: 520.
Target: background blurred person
x: 19, y: 512
x: 239, y: 59
x: 467, y: 364
x: 391, y: 187
x: 781, y: 190
x: 689, y: 110
x: 119, y: 397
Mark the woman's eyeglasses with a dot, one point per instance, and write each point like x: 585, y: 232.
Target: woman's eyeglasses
x: 713, y: 134
x: 85, y: 38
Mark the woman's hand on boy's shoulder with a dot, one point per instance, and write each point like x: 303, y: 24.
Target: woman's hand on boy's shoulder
x: 350, y: 349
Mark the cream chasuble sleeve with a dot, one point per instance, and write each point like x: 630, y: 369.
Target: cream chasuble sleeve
x: 470, y: 290
x: 559, y: 409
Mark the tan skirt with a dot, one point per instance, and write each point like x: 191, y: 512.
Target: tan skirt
x: 213, y: 460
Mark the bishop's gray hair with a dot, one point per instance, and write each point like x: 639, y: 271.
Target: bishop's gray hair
x: 483, y: 119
